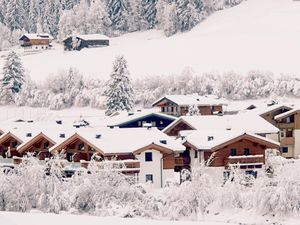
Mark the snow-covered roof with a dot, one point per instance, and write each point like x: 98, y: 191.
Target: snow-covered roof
x: 37, y: 36
x: 124, y: 118
x: 92, y: 37
x: 268, y: 109
x: 245, y: 122
x: 209, y: 140
x: 285, y: 114
x: 193, y: 99
x: 126, y: 140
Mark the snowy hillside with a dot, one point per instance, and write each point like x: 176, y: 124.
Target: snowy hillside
x: 257, y: 34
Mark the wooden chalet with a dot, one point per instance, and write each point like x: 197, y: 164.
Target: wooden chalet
x: 85, y: 41
x: 226, y: 149
x: 241, y: 122
x: 33, y: 42
x: 178, y: 105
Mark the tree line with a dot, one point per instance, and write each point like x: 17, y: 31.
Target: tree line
x: 70, y: 88
x: 61, y: 18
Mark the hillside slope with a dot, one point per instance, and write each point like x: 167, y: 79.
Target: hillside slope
x: 257, y: 34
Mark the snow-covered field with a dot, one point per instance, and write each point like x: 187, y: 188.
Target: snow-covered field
x: 257, y: 34
x: 10, y: 218
x: 229, y: 218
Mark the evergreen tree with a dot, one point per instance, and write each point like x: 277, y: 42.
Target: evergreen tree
x: 13, y: 73
x: 149, y: 12
x: 119, y: 92
x: 117, y: 12
x: 194, y: 111
x: 188, y: 13
x: 14, y: 17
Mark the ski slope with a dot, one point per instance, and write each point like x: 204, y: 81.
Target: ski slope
x: 257, y: 34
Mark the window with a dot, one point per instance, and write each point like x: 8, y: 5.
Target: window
x: 153, y: 124
x: 284, y: 149
x: 149, y: 178
x: 46, y: 145
x: 233, y: 152
x: 81, y: 147
x: 139, y: 123
x: 289, y: 133
x: 196, y: 154
x: 69, y: 157
x: 246, y: 151
x: 14, y: 144
x: 148, y: 156
x: 163, y: 109
x: 161, y: 122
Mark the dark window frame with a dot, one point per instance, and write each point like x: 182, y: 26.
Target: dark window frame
x: 148, y: 157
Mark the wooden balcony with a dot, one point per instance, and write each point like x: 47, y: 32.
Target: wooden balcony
x: 286, y: 125
x: 182, y: 161
x: 124, y: 166
x: 245, y: 161
x: 288, y: 141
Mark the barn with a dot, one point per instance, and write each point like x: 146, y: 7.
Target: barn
x: 79, y: 42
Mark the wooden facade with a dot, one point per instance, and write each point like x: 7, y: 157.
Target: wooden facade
x: 38, y: 41
x: 77, y: 148
x: 245, y: 150
x: 171, y: 108
x: 8, y: 145
x: 176, y: 128
x: 39, y: 145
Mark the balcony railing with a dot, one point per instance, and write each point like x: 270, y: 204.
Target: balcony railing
x: 245, y: 160
x: 182, y: 161
x: 288, y: 141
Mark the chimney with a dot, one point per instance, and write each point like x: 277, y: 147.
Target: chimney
x: 210, y: 138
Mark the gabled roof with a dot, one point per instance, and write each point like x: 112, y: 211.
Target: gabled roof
x: 37, y: 36
x: 68, y: 140
x: 269, y: 109
x: 92, y: 37
x: 123, y: 119
x: 215, y: 140
x: 8, y: 134
x: 126, y: 140
x: 245, y: 122
x: 22, y: 147
x: 194, y: 99
x: 286, y: 114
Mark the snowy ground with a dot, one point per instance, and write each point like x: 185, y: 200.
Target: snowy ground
x: 228, y: 218
x: 257, y: 34
x: 10, y: 218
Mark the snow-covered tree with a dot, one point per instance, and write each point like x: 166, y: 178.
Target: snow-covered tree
x: 148, y: 12
x: 117, y: 12
x: 188, y: 13
x: 13, y: 75
x: 193, y: 111
x: 119, y: 90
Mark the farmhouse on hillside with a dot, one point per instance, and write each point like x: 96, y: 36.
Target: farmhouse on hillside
x: 179, y: 105
x: 35, y: 42
x: 79, y: 42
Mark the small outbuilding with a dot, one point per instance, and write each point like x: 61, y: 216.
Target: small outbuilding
x: 85, y: 41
